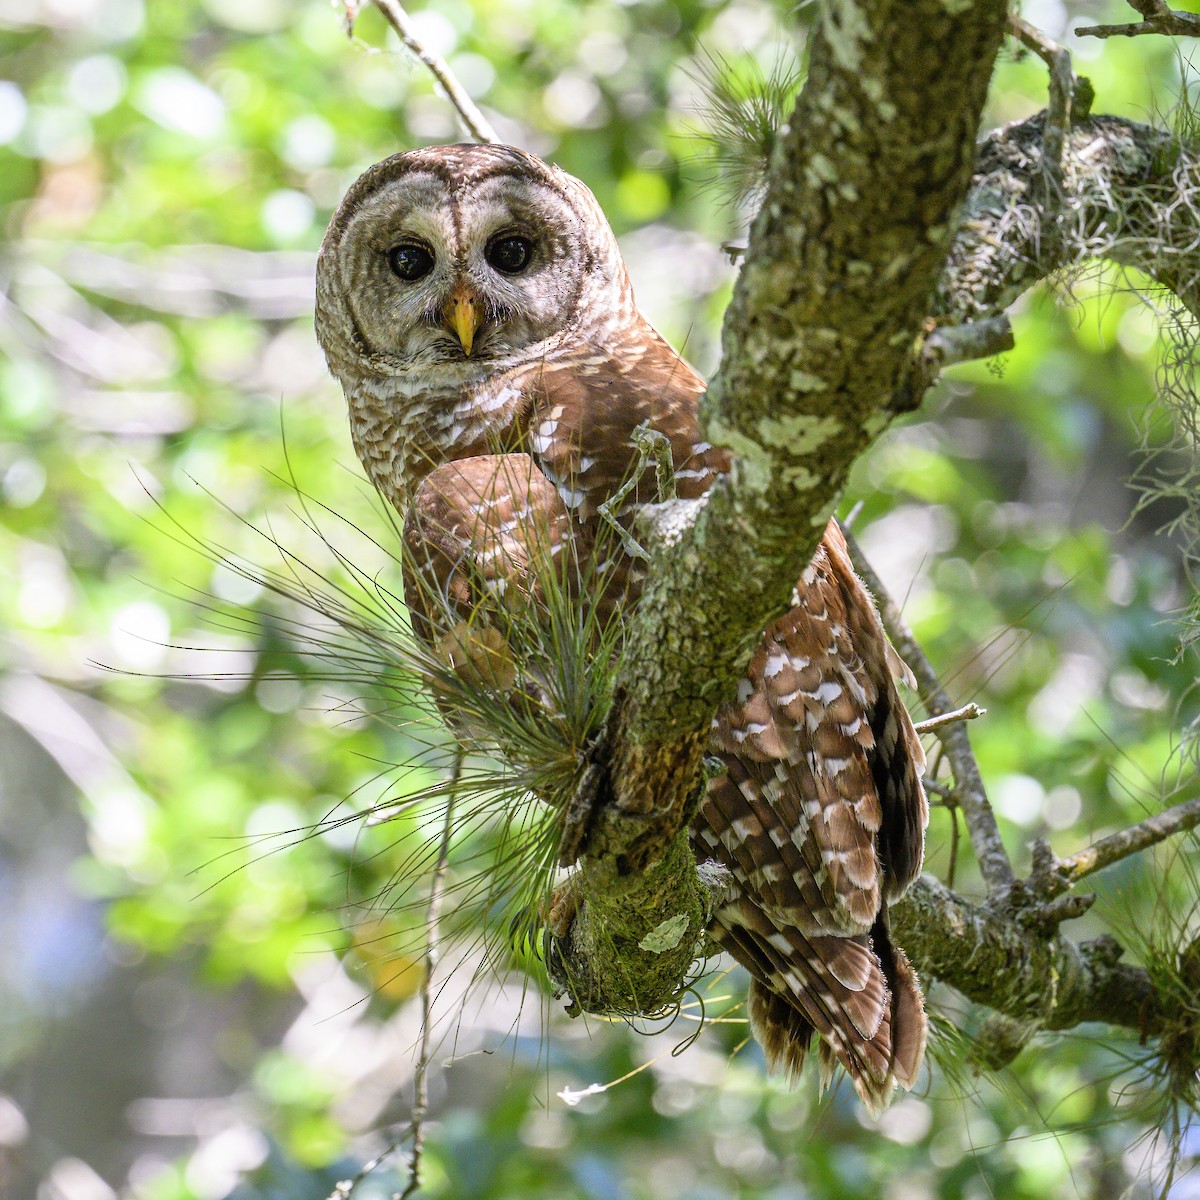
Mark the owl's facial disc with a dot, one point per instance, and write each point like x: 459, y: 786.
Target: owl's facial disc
x: 459, y: 261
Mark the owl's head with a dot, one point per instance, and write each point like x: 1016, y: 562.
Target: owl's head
x: 452, y: 262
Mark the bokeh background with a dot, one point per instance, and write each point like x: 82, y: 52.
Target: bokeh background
x: 194, y: 1002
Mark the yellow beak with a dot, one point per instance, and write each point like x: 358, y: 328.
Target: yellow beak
x: 464, y: 315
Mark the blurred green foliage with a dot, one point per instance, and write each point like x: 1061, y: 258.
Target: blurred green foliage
x: 166, y: 171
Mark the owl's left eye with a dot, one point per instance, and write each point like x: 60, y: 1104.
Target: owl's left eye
x: 509, y: 254
x: 410, y: 261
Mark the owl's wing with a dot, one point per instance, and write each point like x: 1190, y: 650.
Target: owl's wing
x: 586, y: 409
x: 481, y: 537
x: 821, y: 817
x: 860, y: 995
x: 820, y: 745
x: 898, y: 763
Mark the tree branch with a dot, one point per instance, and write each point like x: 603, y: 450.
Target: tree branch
x: 1117, y: 846
x: 477, y: 125
x: 1129, y: 195
x: 1058, y: 110
x: 949, y: 345
x: 433, y: 912
x: 991, y: 957
x: 822, y: 345
x: 1052, y: 875
x: 825, y: 319
x: 1158, y: 19
x: 968, y: 712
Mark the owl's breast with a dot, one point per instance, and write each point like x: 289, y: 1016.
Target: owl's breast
x: 402, y: 431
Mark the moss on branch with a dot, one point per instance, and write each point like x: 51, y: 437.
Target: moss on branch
x: 637, y: 936
x: 1131, y: 194
x: 1046, y: 980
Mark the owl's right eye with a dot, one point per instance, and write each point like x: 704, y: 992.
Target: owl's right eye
x: 410, y: 261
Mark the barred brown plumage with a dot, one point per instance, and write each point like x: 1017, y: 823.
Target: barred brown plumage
x: 496, y: 409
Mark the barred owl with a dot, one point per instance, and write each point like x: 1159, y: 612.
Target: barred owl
x: 474, y: 305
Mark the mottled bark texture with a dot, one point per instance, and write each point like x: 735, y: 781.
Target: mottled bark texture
x: 872, y: 224
x: 1043, y: 981
x: 1131, y: 194
x: 845, y: 253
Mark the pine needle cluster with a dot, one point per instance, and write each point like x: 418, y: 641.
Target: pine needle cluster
x: 527, y: 741
x: 1163, y: 1085
x: 740, y: 119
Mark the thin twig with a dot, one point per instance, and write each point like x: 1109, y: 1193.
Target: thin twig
x: 1058, y: 108
x: 478, y: 126
x: 432, y: 915
x: 945, y: 345
x: 416, y: 1130
x: 945, y: 790
x: 993, y: 859
x: 1048, y: 916
x: 951, y: 344
x: 1158, y: 19
x: 1105, y: 852
x: 955, y: 835
x: 968, y: 712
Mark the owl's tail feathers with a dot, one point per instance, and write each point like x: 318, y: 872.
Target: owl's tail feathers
x: 910, y: 1027
x: 861, y: 996
x: 781, y: 1028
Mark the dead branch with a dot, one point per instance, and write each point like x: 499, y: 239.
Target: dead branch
x: 945, y: 346
x: 949, y: 345
x: 1052, y: 875
x: 968, y: 712
x: 1159, y: 19
x: 420, y: 1108
x: 1058, y: 110
x: 433, y: 914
